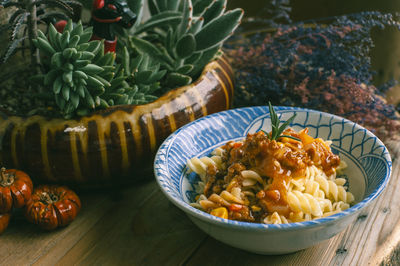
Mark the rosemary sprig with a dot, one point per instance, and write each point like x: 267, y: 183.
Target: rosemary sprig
x: 276, y: 129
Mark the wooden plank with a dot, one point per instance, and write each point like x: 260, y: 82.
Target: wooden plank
x: 369, y: 240
x: 111, y: 203
x: 24, y: 243
x: 138, y: 225
x: 153, y: 233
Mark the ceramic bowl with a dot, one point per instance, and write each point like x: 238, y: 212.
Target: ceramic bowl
x: 114, y: 145
x: 368, y: 172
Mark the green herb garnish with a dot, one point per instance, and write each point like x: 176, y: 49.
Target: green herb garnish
x: 276, y: 129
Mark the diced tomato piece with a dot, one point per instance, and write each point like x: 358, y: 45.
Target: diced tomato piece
x: 237, y: 145
x: 235, y: 207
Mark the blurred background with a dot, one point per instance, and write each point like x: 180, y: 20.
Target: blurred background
x: 385, y: 56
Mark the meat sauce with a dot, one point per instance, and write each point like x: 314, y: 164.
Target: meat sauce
x: 279, y: 160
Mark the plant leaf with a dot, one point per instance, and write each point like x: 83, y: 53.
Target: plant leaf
x: 276, y: 129
x: 184, y: 26
x: 186, y: 46
x: 196, y: 25
x: 284, y: 125
x: 11, y: 48
x: 53, y: 15
x: 206, y: 57
x: 18, y: 24
x: 200, y: 5
x: 153, y: 7
x: 16, y: 15
x: 215, y: 10
x: 173, y: 5
x: 218, y: 30
x: 145, y: 47
x: 137, y: 8
x: 7, y: 4
x: 57, y: 3
x: 162, y: 5
x: 162, y: 21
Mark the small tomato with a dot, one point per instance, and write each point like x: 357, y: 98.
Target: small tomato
x: 52, y: 206
x: 15, y: 189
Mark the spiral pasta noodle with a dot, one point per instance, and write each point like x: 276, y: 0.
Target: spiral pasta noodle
x: 200, y: 165
x: 272, y: 182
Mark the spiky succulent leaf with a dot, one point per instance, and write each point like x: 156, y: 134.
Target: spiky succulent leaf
x: 153, y: 7
x: 137, y: 8
x: 11, y: 48
x: 135, y: 81
x: 145, y: 47
x: 200, y: 5
x: 186, y: 46
x: 186, y: 21
x: 218, y: 30
x: 196, y: 25
x: 215, y: 10
x: 185, y: 69
x: 173, y: 5
x: 58, y: 4
x: 159, y: 20
x: 205, y: 58
x: 177, y: 80
x: 52, y: 15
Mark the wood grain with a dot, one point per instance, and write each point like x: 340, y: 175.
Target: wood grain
x: 138, y: 226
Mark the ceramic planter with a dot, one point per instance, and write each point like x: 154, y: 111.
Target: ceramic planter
x: 112, y: 145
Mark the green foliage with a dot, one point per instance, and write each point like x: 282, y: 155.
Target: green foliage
x: 135, y: 81
x: 25, y: 17
x: 183, y: 36
x: 82, y: 78
x: 277, y: 130
x: 168, y: 50
x: 79, y: 72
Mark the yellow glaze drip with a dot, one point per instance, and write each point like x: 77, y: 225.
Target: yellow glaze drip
x: 75, y: 159
x: 188, y: 107
x: 45, y: 156
x: 170, y: 115
x: 223, y: 88
x: 104, y: 129
x: 150, y: 128
x: 196, y: 93
x: 225, y: 73
x: 124, y: 148
x: 76, y: 131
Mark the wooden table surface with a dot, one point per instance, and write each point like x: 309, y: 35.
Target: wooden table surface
x: 137, y: 225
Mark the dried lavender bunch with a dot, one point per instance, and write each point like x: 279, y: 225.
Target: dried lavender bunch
x: 319, y: 66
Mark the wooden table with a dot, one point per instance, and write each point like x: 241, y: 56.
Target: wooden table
x: 139, y: 226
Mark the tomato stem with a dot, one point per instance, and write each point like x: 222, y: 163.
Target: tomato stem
x: 6, y: 179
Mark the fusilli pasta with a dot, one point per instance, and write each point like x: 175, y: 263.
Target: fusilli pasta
x: 273, y: 182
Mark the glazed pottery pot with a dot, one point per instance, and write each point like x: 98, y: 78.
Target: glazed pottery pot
x: 113, y: 145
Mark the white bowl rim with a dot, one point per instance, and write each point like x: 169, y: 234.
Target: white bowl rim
x: 260, y: 227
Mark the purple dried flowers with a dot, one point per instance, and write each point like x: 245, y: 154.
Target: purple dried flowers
x: 318, y: 66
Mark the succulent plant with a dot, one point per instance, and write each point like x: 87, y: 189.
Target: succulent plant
x: 169, y: 50
x: 79, y: 71
x: 183, y: 36
x: 135, y: 80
